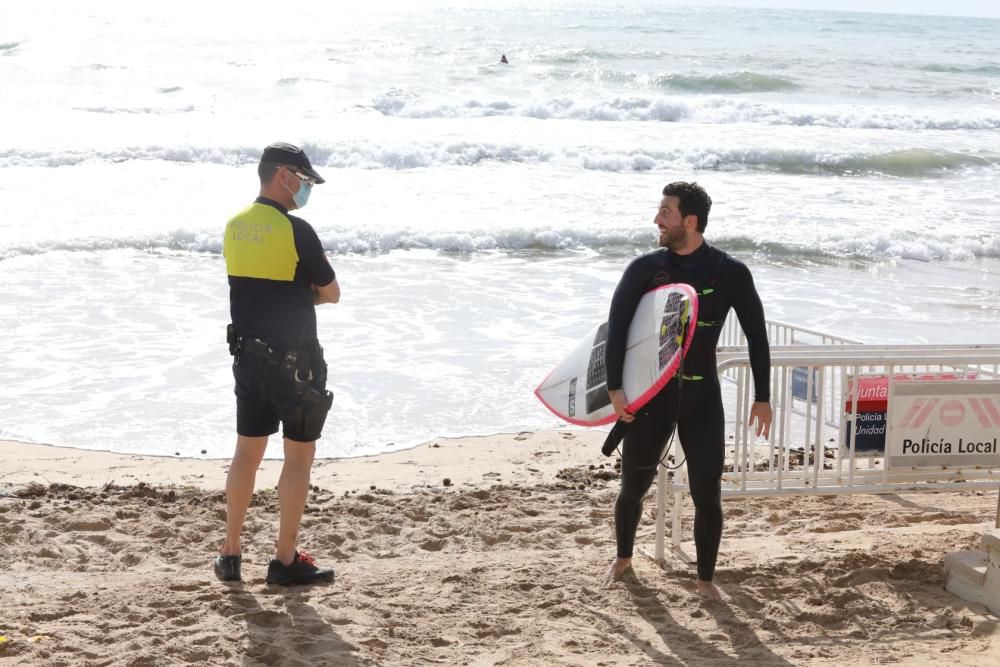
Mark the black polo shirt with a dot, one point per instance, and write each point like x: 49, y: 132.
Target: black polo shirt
x: 273, y: 259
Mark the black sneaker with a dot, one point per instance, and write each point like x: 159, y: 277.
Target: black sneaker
x: 302, y: 570
x: 227, y: 568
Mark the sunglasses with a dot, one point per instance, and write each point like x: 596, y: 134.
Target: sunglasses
x: 302, y: 177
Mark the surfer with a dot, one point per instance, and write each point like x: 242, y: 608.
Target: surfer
x: 692, y: 402
x: 503, y: 59
x: 278, y: 273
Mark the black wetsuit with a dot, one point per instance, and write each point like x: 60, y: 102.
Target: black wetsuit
x: 722, y: 283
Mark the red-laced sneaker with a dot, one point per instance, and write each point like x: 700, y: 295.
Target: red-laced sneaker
x: 302, y: 570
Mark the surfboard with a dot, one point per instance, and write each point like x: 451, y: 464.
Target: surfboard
x: 659, y: 335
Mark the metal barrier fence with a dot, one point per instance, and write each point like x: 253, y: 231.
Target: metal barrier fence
x: 816, y: 392
x: 732, y: 341
x: 781, y: 333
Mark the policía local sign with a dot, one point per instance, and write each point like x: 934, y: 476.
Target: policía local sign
x: 954, y: 423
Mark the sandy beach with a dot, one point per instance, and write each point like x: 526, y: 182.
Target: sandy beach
x: 107, y: 563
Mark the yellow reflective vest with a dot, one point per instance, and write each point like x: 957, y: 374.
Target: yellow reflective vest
x: 259, y: 244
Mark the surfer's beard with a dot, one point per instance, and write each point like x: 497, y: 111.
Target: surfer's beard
x: 672, y: 239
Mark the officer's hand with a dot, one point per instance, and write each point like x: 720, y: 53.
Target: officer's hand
x: 760, y: 412
x: 620, y: 404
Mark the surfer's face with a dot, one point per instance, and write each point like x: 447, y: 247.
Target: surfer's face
x: 673, y: 235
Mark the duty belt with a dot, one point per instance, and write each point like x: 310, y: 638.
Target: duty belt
x: 258, y: 348
x: 295, y: 365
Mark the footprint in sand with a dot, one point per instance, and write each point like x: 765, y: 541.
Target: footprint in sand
x: 187, y: 588
x: 265, y: 618
x: 388, y: 529
x: 46, y: 616
x: 340, y: 620
x: 559, y: 612
x: 418, y: 514
x: 99, y: 524
x: 131, y: 559
x: 433, y: 545
x: 490, y: 539
x: 572, y: 527
x: 186, y: 621
x: 833, y: 527
x: 99, y: 539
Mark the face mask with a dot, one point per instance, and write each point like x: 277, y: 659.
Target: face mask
x: 302, y: 196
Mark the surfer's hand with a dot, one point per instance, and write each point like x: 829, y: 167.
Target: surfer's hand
x: 760, y: 412
x: 620, y: 404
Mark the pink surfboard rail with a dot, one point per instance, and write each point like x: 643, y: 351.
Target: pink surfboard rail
x: 665, y: 376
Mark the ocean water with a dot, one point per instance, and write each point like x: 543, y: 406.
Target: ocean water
x: 478, y: 215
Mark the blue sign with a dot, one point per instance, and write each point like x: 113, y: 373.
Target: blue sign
x: 870, y: 435
x: 800, y: 383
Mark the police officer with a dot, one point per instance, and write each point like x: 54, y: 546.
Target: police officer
x: 278, y: 273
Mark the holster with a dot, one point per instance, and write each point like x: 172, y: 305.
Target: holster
x: 313, y: 407
x: 231, y: 339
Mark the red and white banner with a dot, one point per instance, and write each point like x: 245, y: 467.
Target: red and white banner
x: 873, y: 390
x: 954, y: 423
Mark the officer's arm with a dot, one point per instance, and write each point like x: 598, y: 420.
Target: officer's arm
x: 329, y: 293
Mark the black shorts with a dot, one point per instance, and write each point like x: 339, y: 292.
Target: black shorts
x: 264, y: 399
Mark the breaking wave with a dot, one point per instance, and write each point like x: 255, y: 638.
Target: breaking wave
x: 714, y: 110
x: 873, y: 247
x: 907, y: 163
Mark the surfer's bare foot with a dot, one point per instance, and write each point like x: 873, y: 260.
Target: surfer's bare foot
x: 617, y: 569
x: 709, y: 591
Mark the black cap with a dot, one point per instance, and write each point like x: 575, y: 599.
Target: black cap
x: 282, y: 153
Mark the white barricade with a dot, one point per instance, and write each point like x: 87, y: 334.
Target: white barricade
x: 781, y: 333
x: 835, y: 378
x: 732, y: 340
